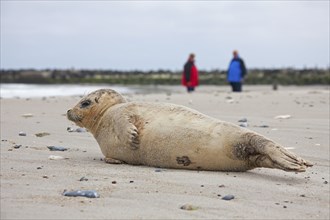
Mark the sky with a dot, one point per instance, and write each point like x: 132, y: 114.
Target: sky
x: 154, y: 35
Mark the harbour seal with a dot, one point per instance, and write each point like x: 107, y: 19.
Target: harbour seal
x: 173, y: 136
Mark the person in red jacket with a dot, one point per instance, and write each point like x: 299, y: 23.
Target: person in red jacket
x: 190, y: 74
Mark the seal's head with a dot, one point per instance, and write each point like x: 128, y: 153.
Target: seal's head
x: 90, y: 108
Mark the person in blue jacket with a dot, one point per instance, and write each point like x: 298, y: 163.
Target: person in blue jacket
x: 236, y: 72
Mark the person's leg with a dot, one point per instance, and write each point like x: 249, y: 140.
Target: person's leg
x: 237, y: 87
x: 232, y: 86
x: 190, y: 89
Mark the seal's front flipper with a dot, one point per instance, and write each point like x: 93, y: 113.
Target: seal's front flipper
x: 127, y: 132
x: 136, y: 125
x: 133, y: 137
x: 113, y: 161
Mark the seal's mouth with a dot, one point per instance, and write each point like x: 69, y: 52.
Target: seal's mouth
x: 73, y: 117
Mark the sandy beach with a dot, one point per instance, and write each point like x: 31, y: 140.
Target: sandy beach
x: 32, y: 184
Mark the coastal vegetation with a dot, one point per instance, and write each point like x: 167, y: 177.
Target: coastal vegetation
x: 286, y: 76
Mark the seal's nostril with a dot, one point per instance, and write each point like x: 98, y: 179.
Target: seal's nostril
x: 68, y: 111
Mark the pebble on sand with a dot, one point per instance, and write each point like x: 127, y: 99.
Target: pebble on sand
x: 228, y: 197
x: 27, y: 115
x: 83, y: 179
x: 16, y: 146
x: 263, y: 126
x: 21, y: 133
x: 54, y: 157
x: 243, y: 120
x: 83, y: 193
x: 244, y: 125
x: 42, y: 134
x: 282, y: 117
x: 189, y: 207
x: 79, y: 130
x: 57, y: 148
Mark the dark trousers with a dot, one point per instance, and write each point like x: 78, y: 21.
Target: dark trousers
x: 190, y: 88
x: 236, y: 86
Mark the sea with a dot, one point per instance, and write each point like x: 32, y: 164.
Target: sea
x: 13, y: 90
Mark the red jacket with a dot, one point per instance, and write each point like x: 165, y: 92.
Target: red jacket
x: 193, y: 77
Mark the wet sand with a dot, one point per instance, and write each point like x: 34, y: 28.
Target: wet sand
x: 32, y: 184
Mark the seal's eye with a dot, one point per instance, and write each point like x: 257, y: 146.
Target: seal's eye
x: 85, y: 103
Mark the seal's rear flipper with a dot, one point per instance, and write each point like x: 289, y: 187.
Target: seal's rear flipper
x: 275, y: 156
x: 262, y: 152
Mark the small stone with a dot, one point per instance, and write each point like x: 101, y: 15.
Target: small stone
x: 285, y: 206
x: 39, y: 168
x: 57, y: 148
x: 42, y: 134
x: 325, y: 182
x: 243, y: 120
x: 21, y: 133
x: 17, y: 146
x: 28, y: 115
x: 302, y: 195
x: 244, y: 125
x: 54, y: 157
x: 83, y: 179
x: 282, y: 117
x: 228, y: 197
x: 45, y: 176
x: 84, y: 193
x: 114, y: 182
x: 221, y: 186
x: 69, y: 129
x: 79, y: 130
x: 189, y: 207
x: 131, y: 181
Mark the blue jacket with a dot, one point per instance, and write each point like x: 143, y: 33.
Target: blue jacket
x: 236, y: 70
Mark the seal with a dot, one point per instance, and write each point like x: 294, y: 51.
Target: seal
x: 173, y: 136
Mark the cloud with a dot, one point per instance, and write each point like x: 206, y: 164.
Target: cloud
x: 160, y: 34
